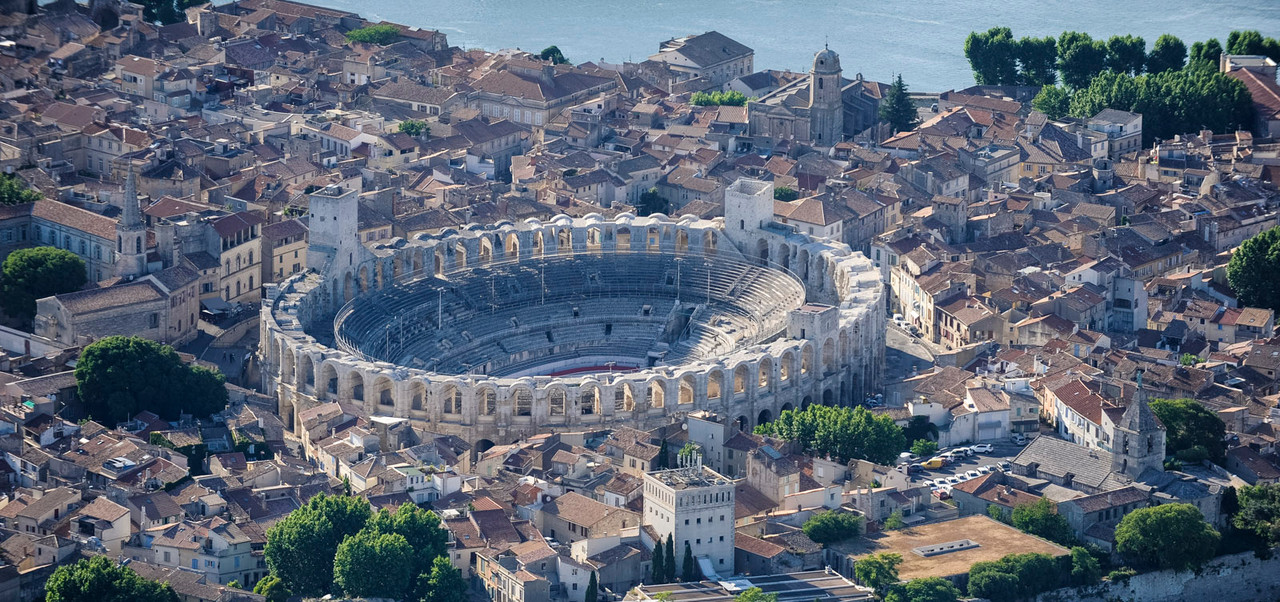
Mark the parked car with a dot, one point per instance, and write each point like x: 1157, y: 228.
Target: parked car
x: 982, y: 448
x: 956, y: 480
x: 1004, y: 466
x: 973, y: 474
x: 988, y: 469
x: 928, y: 483
x: 934, y: 463
x: 1018, y: 439
x: 943, y: 494
x: 907, y: 457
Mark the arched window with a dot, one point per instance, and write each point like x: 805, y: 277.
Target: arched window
x: 557, y: 402
x: 137, y: 245
x: 452, y: 400
x: 524, y: 402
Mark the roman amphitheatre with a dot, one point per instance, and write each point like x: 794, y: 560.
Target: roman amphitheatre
x: 496, y: 332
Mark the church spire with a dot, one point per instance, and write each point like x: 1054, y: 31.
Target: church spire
x: 131, y: 218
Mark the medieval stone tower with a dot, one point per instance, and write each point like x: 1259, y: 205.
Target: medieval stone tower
x: 1138, y: 439
x: 131, y: 233
x: 826, y: 102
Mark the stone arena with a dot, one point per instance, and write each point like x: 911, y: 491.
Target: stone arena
x: 494, y: 333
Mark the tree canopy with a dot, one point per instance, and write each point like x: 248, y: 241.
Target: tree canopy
x: 897, y: 110
x: 755, y: 594
x: 374, y: 565
x: 1251, y: 267
x: 1016, y: 576
x: 928, y: 589
x: 1168, y: 54
x: 118, y: 377
x: 688, y: 570
x: 1206, y: 53
x: 993, y: 56
x: 100, y: 579
x: 1080, y: 58
x: 1259, y: 512
x: 301, y: 547
x: 375, y: 34
x: 413, y: 127
x: 166, y: 11
x: 1126, y: 54
x: 1169, y: 536
x: 1252, y: 42
x: 878, y: 571
x: 785, y: 194
x: 1173, y: 102
x: 552, y: 53
x: 832, y: 526
x: 1191, y: 427
x: 13, y: 191
x: 924, y: 447
x: 1042, y: 520
x: 651, y: 202
x: 36, y: 273
x: 1053, y: 101
x: 732, y: 98
x: 271, y: 588
x: 840, y: 432
x: 1038, y: 61
x: 443, y: 583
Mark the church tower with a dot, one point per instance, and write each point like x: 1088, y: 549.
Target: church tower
x: 826, y: 102
x: 131, y: 233
x: 1137, y: 440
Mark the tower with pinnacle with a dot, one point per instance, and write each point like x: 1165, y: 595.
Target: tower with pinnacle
x: 131, y: 233
x: 1138, y: 438
x: 826, y: 101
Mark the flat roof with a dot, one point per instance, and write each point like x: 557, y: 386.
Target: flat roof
x: 791, y: 587
x: 995, y: 540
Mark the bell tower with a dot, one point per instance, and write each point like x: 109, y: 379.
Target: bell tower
x: 826, y: 101
x: 131, y: 233
x: 1138, y: 439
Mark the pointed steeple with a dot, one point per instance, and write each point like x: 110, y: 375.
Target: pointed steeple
x: 131, y: 218
x: 1138, y: 417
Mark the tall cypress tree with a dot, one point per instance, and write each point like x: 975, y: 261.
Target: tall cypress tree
x: 897, y: 110
x: 661, y: 461
x: 690, y: 572
x: 659, y: 565
x: 591, y: 595
x: 669, y: 570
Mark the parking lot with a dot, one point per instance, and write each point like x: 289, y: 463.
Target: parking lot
x: 1001, y: 452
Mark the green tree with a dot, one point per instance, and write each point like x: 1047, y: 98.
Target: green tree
x: 1085, y: 569
x: 1126, y: 54
x: 878, y: 571
x: 36, y: 273
x: 592, y: 593
x: 731, y: 98
x: 14, y: 191
x: 1042, y: 520
x: 663, y: 459
x: 924, y: 447
x: 897, y: 110
x: 234, y: 584
x: 998, y: 513
x: 894, y: 521
x: 100, y: 579
x: 688, y: 571
x: 840, y: 432
x: 442, y: 583
x: 1172, y: 102
x: 651, y: 202
x: 785, y: 194
x: 1258, y: 512
x: 1168, y: 54
x: 421, y: 528
x: 1038, y: 61
x: 1169, y: 536
x: 301, y: 547
x: 413, y: 127
x: 1080, y: 58
x: 919, y: 427
x: 1250, y: 267
x: 993, y: 585
x: 1188, y: 359
x: 1053, y: 101
x: 374, y: 34
x: 670, y: 555
x: 372, y: 564
x: 832, y: 526
x: 1188, y: 424
x: 928, y: 589
x: 1245, y: 42
x: 755, y: 594
x: 992, y: 56
x: 166, y: 11
x: 659, y: 568
x: 1206, y: 53
x: 1016, y: 576
x: 118, y: 377
x: 553, y: 54
x: 271, y: 588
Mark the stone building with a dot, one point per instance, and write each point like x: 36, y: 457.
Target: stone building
x: 694, y: 505
x: 711, y: 58
x: 819, y: 110
x: 164, y: 307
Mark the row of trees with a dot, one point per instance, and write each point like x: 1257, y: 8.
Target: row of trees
x: 36, y: 273
x: 374, y: 34
x: 117, y: 377
x: 732, y: 98
x: 100, y: 579
x: 880, y: 573
x: 337, y: 544
x: 1023, y: 576
x: 663, y: 567
x: 839, y: 432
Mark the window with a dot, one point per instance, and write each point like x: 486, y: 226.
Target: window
x: 153, y: 320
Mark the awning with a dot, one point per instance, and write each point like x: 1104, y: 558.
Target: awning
x: 215, y: 305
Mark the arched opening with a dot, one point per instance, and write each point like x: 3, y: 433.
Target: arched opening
x: 652, y: 241
x: 483, y: 445
x: 287, y: 371
x: 624, y: 239
x: 417, y: 262
x: 538, y: 247
x: 744, y: 424
x: 593, y: 239
x: 364, y: 279
x: 784, y: 368
x: 488, y: 398
x: 829, y: 357
x: 686, y: 389
x: 460, y: 255
x: 417, y: 396
x: 802, y: 265
x: 377, y: 275
x: 708, y: 242
x: 764, y: 417
x: 806, y: 402
x: 589, y: 401
x: 486, y: 249
x: 806, y: 359
x: 762, y: 251
x: 784, y: 256
x: 451, y: 400
x: 766, y: 373
x: 348, y: 287
x: 654, y: 396
x: 828, y: 398
x: 786, y: 407
x: 355, y: 386
x: 740, y: 379
x: 512, y: 246
x: 397, y: 268
x: 557, y: 399
x: 523, y: 402
x: 624, y: 399
x: 715, y: 385
x: 383, y: 392
x: 682, y: 241
x: 439, y: 262
x: 308, y: 371
x: 564, y: 240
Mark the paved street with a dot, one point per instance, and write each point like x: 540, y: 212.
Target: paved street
x: 904, y: 355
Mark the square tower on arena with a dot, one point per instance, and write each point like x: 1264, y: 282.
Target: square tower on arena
x: 748, y: 207
x: 333, y: 240
x: 694, y: 505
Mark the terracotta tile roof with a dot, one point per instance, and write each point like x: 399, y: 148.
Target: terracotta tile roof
x: 757, y: 546
x: 75, y: 218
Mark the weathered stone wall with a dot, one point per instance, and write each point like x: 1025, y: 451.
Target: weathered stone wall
x: 1235, y: 578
